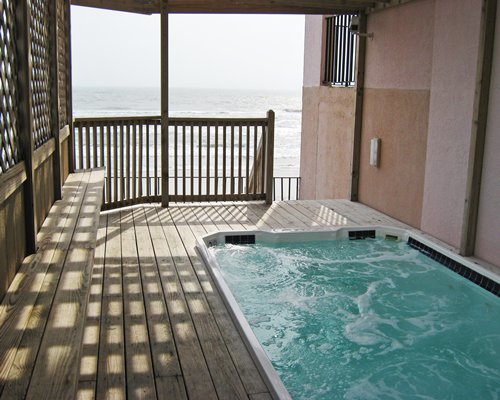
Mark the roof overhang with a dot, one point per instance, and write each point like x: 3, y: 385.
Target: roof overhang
x: 318, y: 7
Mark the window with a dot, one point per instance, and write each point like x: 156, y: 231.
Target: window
x: 340, y: 52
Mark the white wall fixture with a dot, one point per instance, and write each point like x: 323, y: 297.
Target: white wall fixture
x: 375, y: 144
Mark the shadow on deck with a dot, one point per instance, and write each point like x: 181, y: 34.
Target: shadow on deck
x: 155, y: 325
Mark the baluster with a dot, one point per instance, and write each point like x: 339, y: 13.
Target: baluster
x: 191, y: 153
x: 208, y: 159
x: 148, y: 185
x: 224, y: 144
x: 216, y: 160
x: 184, y: 161
x: 134, y: 161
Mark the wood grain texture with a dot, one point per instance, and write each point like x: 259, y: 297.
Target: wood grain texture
x: 23, y: 303
x: 111, y: 380
x: 11, y: 180
x: 145, y: 319
x: 55, y: 375
x: 229, y: 6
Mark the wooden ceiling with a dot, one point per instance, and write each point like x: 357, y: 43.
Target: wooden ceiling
x: 242, y: 7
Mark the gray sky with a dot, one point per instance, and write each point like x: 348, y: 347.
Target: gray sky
x: 209, y: 51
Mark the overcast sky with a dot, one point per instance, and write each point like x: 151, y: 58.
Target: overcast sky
x: 209, y: 51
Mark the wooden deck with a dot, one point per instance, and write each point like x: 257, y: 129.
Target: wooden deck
x: 155, y: 325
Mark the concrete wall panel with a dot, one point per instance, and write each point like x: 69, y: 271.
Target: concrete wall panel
x: 455, y: 54
x: 400, y: 54
x: 488, y: 232
x: 326, y: 152
x: 399, y: 118
x: 313, y: 49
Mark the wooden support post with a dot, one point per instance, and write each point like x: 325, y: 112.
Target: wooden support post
x: 270, y: 157
x: 358, y: 109
x: 478, y: 134
x: 25, y: 119
x: 164, y: 103
x: 54, y: 99
x: 69, y: 88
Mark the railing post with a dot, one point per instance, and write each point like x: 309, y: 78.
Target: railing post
x: 269, y: 157
x: 164, y: 103
x: 25, y: 119
x: 54, y: 94
x: 69, y: 89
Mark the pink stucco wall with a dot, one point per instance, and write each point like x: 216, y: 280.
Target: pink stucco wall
x: 327, y: 126
x: 454, y: 64
x: 488, y: 230
x: 424, y: 53
x: 396, y: 109
x: 400, y: 54
x: 313, y: 48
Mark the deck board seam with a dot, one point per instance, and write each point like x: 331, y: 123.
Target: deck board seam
x: 210, y: 313
x: 209, y: 279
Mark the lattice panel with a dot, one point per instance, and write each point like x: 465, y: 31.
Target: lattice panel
x: 40, y: 71
x: 61, y: 61
x: 9, y: 147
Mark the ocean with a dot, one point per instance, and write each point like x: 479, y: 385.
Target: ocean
x: 93, y: 102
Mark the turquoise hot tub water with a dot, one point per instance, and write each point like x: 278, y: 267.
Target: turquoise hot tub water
x: 366, y: 319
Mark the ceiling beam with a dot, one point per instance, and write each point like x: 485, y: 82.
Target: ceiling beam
x: 383, y: 4
x: 132, y: 6
x: 234, y: 6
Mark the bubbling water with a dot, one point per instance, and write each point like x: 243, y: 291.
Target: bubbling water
x: 368, y: 319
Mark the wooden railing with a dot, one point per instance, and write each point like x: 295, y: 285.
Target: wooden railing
x: 210, y: 159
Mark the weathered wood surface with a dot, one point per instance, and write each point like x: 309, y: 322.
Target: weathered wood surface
x: 317, y: 7
x: 145, y: 320
x: 41, y: 322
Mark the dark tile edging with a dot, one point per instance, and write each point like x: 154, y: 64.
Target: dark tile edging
x: 240, y: 239
x: 357, y: 235
x: 455, y: 266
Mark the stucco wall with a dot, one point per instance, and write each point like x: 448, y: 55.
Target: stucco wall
x: 396, y: 109
x: 454, y: 65
x: 327, y: 145
x: 313, y: 49
x: 327, y: 126
x: 399, y: 119
x: 488, y: 232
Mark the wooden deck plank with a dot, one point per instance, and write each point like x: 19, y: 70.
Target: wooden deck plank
x: 163, y: 350
x: 86, y: 390
x: 90, y: 345
x: 195, y: 372
x: 224, y: 375
x: 153, y: 324
x: 243, y: 361
x: 304, y: 220
x: 139, y: 365
x: 27, y: 304
x: 312, y: 215
x: 261, y: 396
x: 287, y: 215
x: 248, y: 215
x: 226, y: 216
x: 342, y: 209
x: 111, y: 360
x: 320, y: 212
x: 362, y: 214
x: 55, y: 375
x: 236, y: 214
x: 265, y: 215
x: 205, y: 213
